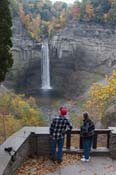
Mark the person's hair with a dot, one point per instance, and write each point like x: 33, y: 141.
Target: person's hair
x: 61, y: 108
x: 85, y: 115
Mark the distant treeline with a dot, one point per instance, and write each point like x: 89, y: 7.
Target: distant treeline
x: 42, y: 18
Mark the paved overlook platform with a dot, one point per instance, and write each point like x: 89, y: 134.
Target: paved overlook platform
x: 97, y: 166
x: 35, y: 142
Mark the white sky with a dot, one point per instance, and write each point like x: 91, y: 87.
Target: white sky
x: 67, y: 1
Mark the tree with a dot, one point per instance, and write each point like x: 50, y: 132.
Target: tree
x: 6, y: 60
x: 16, y: 111
x: 76, y: 10
x: 102, y: 96
x: 89, y: 11
x: 100, y: 8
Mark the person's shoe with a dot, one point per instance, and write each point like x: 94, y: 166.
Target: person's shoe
x: 54, y: 160
x: 59, y: 161
x: 84, y: 157
x: 85, y: 160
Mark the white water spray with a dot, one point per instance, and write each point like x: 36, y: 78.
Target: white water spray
x: 45, y: 76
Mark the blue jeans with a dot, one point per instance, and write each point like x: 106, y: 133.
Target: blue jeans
x: 54, y: 144
x: 87, y: 143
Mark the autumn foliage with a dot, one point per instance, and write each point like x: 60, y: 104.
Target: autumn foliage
x: 102, y: 96
x: 43, y: 18
x: 15, y: 112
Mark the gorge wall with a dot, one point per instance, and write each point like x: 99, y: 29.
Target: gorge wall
x: 80, y: 54
x: 25, y: 73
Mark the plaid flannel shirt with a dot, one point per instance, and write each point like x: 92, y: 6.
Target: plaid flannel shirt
x: 59, y: 126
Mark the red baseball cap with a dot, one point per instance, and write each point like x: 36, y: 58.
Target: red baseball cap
x: 63, y: 111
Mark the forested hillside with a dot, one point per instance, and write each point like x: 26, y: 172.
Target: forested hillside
x: 42, y: 18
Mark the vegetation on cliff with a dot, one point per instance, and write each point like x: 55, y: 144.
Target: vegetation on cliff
x: 6, y: 60
x: 15, y: 112
x: 102, y: 96
x: 42, y: 18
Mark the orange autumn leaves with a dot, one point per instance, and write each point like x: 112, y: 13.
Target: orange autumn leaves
x: 101, y: 96
x: 43, y: 18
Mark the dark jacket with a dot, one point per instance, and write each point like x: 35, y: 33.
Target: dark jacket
x: 87, y: 129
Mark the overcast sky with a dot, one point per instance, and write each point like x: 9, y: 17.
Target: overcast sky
x: 67, y: 1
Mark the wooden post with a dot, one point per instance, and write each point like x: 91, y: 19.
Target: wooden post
x: 95, y: 141
x: 81, y: 143
x: 68, y: 140
x: 108, y: 139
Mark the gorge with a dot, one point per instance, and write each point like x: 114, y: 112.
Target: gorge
x: 80, y: 54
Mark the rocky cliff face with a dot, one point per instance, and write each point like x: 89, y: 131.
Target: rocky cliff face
x: 26, y: 71
x: 80, y: 54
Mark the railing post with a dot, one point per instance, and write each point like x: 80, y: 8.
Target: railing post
x: 68, y: 140
x: 81, y: 143
x: 108, y: 139
x: 95, y: 141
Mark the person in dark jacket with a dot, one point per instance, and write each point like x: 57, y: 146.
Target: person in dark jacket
x: 58, y: 128
x: 87, y: 133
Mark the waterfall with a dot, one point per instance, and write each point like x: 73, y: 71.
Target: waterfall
x: 45, y: 76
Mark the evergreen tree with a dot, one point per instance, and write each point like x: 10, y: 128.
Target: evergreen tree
x: 6, y: 60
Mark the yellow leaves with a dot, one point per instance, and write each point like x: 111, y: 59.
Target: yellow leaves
x: 89, y: 10
x: 16, y: 111
x: 44, y: 20
x: 102, y: 95
x: 105, y: 17
x: 62, y: 20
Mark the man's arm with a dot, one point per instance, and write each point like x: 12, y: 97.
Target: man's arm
x: 69, y: 125
x: 52, y: 127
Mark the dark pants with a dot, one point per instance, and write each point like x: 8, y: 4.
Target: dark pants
x: 54, y: 144
x: 87, y: 143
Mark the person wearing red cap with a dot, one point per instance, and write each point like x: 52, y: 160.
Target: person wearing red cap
x: 58, y: 128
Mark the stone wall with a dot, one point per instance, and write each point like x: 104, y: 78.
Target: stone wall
x: 21, y: 148
x: 30, y: 141
x: 43, y: 144
x: 113, y: 142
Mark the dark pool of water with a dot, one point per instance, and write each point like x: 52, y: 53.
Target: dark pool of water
x: 47, y: 97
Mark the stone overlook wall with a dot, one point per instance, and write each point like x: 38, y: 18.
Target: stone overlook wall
x: 113, y: 143
x: 30, y: 141
x: 26, y: 142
